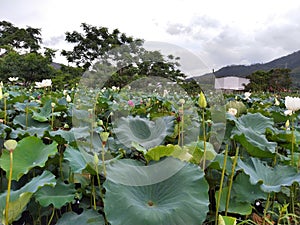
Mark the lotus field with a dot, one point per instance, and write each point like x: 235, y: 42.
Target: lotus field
x: 147, y: 154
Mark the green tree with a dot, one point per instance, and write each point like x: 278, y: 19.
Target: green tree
x: 279, y: 79
x: 273, y: 80
x: 20, y: 38
x: 96, y: 45
x: 258, y: 81
x: 29, y: 66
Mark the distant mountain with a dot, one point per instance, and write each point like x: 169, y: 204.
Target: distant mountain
x: 291, y: 61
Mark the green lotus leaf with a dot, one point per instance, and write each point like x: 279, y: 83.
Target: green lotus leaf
x: 197, y: 151
x: 250, y: 132
x: 271, y: 178
x: 31, y: 131
x: 87, y: 217
x: 27, y: 121
x: 170, y: 150
x: 70, y: 135
x: 180, y: 199
x: 20, y: 198
x: 21, y: 106
x: 242, y: 195
x: 43, y: 113
x: 145, y: 132
x: 218, y: 163
x: 29, y: 153
x: 226, y: 220
x: 58, y: 196
x: 78, y: 159
x: 235, y: 206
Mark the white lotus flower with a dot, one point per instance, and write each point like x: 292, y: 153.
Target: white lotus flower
x: 12, y: 79
x: 292, y: 104
x: 247, y: 95
x: 288, y: 112
x: 232, y: 111
x: 68, y: 98
x: 44, y: 83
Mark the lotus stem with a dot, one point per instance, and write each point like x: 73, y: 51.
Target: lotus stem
x: 292, y: 195
x: 52, y: 215
x: 26, y: 117
x: 221, y: 185
x: 103, y: 159
x: 231, y: 179
x: 9, y: 187
x: 94, y: 194
x: 266, y: 208
x: 182, y: 125
x: 293, y: 142
x: 52, y: 117
x: 204, y: 139
x: 5, y: 110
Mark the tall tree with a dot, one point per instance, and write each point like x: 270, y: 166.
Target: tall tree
x: 29, y: 66
x: 127, y: 54
x: 20, y: 38
x: 273, y: 80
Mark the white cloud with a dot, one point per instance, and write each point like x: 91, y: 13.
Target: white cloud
x: 220, y: 32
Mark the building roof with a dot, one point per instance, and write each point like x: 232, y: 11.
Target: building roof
x: 231, y: 83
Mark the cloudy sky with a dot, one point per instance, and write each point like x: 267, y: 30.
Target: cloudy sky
x: 219, y: 33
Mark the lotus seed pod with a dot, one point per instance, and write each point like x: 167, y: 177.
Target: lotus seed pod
x: 10, y: 144
x: 104, y: 136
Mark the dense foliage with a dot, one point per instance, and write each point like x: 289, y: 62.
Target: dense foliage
x: 100, y: 151
x: 274, y: 80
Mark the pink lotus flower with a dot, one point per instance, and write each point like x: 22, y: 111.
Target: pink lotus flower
x: 130, y: 102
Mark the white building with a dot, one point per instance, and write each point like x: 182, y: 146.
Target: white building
x: 231, y: 83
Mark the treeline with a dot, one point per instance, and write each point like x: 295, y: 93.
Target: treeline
x: 95, y: 49
x: 274, y: 80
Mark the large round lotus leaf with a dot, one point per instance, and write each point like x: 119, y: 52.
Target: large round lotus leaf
x: 29, y: 153
x: 145, y: 132
x: 250, y: 131
x: 87, y: 217
x: 180, y: 199
x: 272, y: 178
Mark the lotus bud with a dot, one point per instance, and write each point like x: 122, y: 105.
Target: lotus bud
x: 5, y: 95
x: 202, y: 100
x: 53, y: 104
x: 100, y: 123
x: 10, y: 145
x: 287, y: 124
x: 66, y: 126
x: 96, y: 159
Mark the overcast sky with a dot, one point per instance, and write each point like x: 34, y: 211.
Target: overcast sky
x: 220, y: 32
